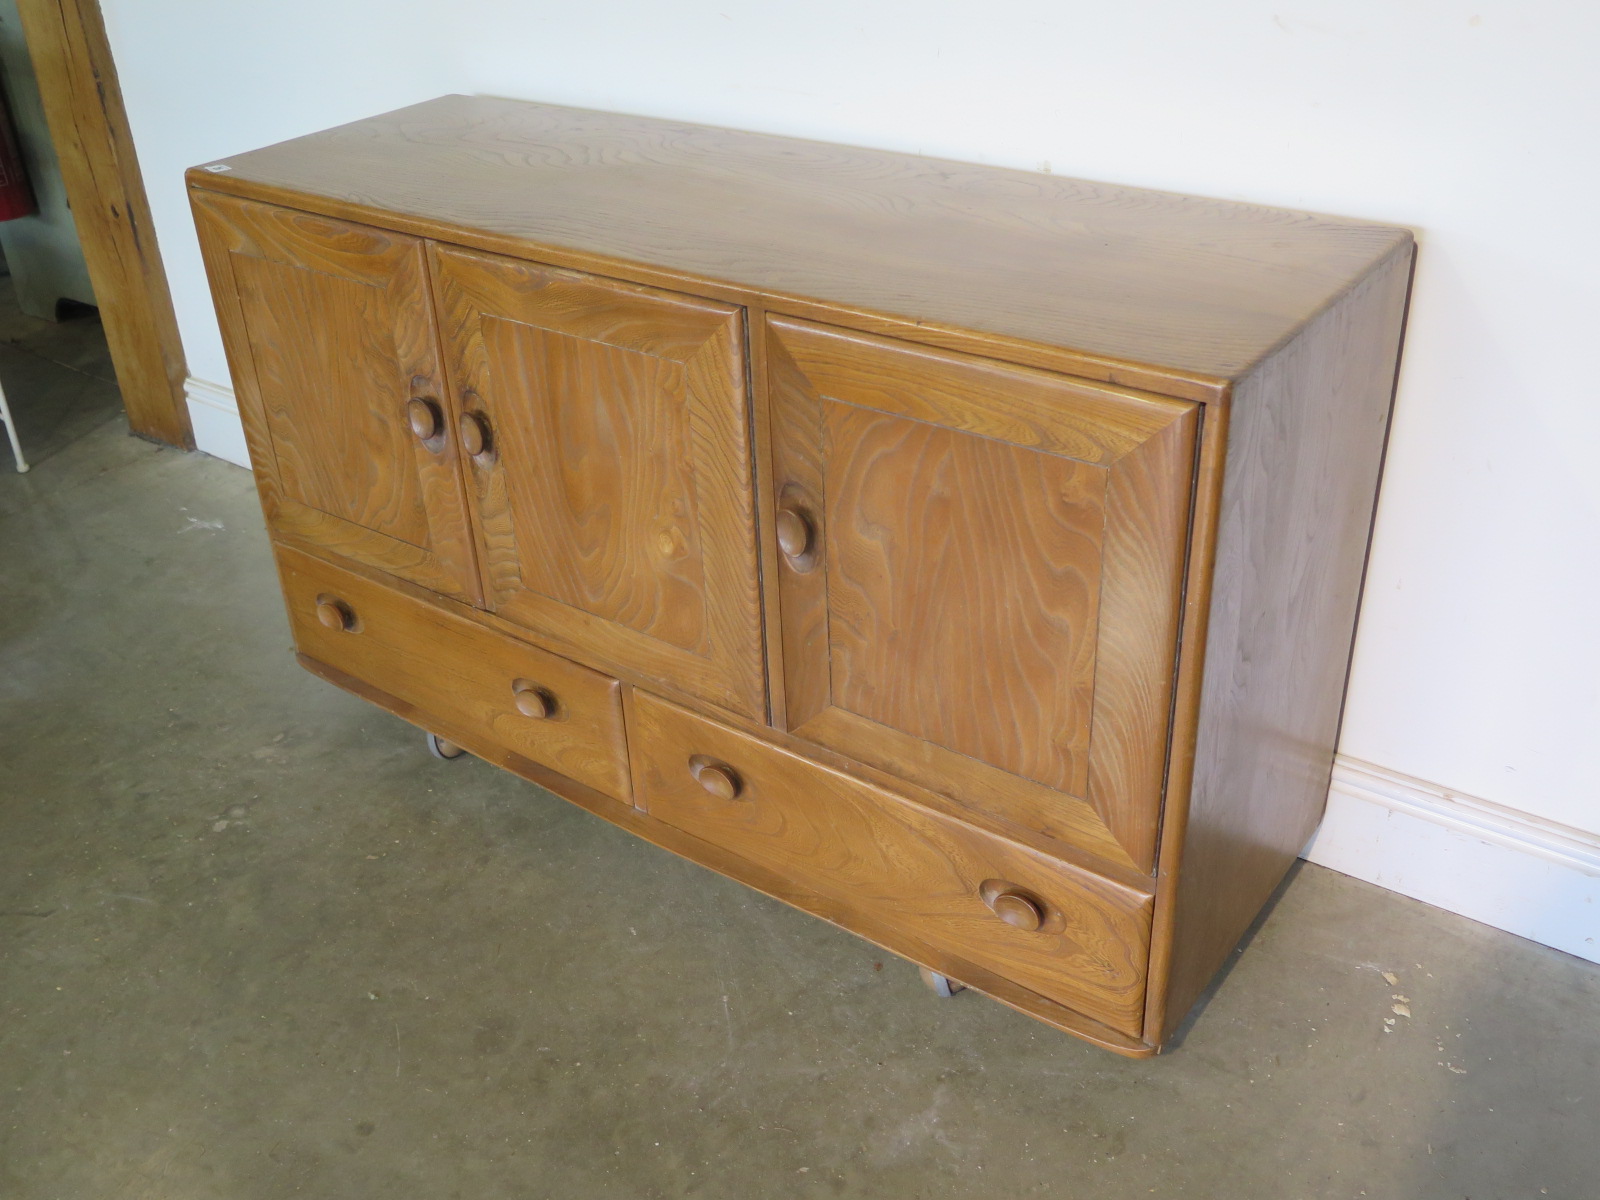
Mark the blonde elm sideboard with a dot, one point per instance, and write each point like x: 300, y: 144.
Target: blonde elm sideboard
x: 966, y: 556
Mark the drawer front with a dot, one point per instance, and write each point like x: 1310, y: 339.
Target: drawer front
x: 1064, y: 933
x: 533, y: 703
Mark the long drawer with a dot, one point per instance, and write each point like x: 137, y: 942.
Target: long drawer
x: 533, y: 703
x: 1064, y: 933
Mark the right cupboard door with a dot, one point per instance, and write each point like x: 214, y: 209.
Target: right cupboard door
x: 980, y: 573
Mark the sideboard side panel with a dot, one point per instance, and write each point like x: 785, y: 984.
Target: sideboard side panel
x: 1307, y: 432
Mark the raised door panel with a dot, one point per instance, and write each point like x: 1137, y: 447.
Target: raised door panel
x: 980, y: 574
x: 612, y: 492
x: 334, y: 352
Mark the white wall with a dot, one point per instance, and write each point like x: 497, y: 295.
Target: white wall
x: 1478, y: 667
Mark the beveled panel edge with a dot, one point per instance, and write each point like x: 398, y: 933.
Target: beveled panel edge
x: 1116, y: 420
x: 1156, y: 668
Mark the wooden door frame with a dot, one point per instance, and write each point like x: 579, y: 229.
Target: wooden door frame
x: 89, y: 128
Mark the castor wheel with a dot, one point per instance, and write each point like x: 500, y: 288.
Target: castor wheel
x: 440, y: 748
x: 941, y: 985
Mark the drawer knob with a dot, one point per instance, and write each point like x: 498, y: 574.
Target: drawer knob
x: 719, y: 779
x: 475, y: 436
x: 1018, y: 909
x: 335, y: 614
x: 534, y: 701
x: 795, y: 532
x: 423, y: 414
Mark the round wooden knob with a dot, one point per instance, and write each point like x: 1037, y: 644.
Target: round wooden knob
x: 475, y: 434
x: 425, y: 418
x: 1019, y: 910
x: 335, y: 614
x: 721, y: 780
x: 794, y: 531
x: 533, y: 700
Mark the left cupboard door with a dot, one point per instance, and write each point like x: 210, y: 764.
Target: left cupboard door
x: 335, y: 358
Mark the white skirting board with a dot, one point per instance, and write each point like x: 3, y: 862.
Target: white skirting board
x: 1469, y: 856
x: 215, y: 418
x: 1504, y: 868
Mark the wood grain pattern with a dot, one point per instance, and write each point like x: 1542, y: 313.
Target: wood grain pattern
x: 615, y: 513
x: 330, y: 337
x: 963, y: 591
x: 952, y: 629
x: 1304, y: 455
x: 94, y: 144
x: 1138, y: 285
x: 459, y: 671
x: 881, y: 855
x: 604, y: 497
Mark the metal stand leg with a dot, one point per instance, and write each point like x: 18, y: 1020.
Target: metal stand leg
x: 11, y: 431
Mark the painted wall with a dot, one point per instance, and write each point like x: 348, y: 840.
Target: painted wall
x: 1478, y: 667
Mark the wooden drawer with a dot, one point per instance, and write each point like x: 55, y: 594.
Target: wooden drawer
x: 941, y: 882
x: 450, y: 668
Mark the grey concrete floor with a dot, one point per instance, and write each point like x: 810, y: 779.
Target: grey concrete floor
x: 254, y: 943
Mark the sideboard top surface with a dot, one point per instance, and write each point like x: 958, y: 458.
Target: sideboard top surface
x: 1199, y: 288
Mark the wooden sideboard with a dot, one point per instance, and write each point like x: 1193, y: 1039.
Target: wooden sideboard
x: 969, y: 557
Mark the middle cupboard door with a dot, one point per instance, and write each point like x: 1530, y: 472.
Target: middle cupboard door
x: 607, y: 431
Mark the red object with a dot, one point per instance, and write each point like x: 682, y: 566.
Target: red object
x: 16, y: 193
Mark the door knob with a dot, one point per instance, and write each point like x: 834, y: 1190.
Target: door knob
x: 423, y: 414
x: 475, y: 435
x: 534, y: 701
x: 795, y: 532
x: 1017, y: 908
x: 718, y: 778
x: 335, y: 614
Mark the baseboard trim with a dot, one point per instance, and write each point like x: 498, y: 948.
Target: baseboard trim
x: 215, y: 417
x: 1504, y: 868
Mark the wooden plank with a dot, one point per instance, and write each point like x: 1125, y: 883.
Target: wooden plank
x: 83, y: 106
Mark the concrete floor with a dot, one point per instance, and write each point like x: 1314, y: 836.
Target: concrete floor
x: 255, y: 944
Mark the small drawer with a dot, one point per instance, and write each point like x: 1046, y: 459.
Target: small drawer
x: 1062, y: 932
x: 533, y: 703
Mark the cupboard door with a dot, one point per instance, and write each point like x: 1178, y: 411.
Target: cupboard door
x: 610, y: 469
x: 331, y: 339
x: 980, y: 574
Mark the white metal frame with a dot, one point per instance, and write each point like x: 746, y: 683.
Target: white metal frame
x: 11, y: 430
